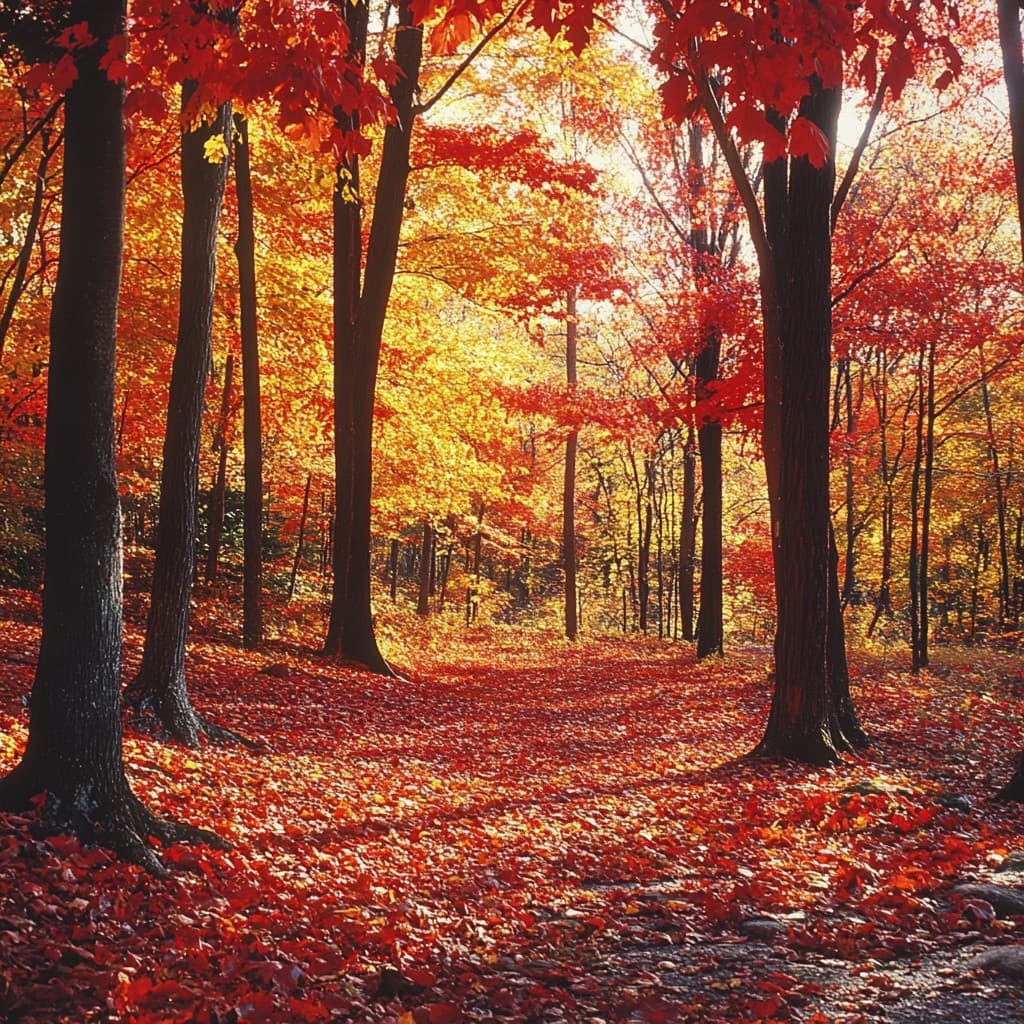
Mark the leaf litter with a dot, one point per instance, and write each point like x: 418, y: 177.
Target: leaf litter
x: 527, y: 831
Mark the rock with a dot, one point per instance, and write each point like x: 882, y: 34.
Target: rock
x: 1006, y: 901
x: 277, y: 669
x: 875, y: 787
x: 1013, y: 861
x: 1007, y: 960
x: 954, y: 801
x: 764, y: 929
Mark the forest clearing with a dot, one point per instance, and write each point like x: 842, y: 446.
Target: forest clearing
x: 533, y: 832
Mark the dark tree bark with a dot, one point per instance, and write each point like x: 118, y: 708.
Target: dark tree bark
x: 215, y: 525
x: 688, y: 537
x: 426, y: 562
x: 709, y: 441
x: 74, y: 747
x: 160, y: 688
x: 921, y: 492
x: 802, y: 724
x: 359, y: 327
x: 301, y: 540
x: 252, y: 430
x: 1013, y: 73
x: 569, y: 479
x: 393, y: 570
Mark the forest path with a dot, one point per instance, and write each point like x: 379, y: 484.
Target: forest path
x: 524, y: 831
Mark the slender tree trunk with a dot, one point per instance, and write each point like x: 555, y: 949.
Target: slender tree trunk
x: 688, y: 537
x: 847, y: 731
x: 74, y: 747
x: 393, y: 570
x: 160, y: 686
x: 919, y: 656
x: 426, y: 559
x: 252, y: 429
x: 709, y: 439
x: 926, y: 500
x: 1005, y: 598
x: 35, y: 216
x: 215, y: 526
x: 301, y: 538
x: 569, y: 482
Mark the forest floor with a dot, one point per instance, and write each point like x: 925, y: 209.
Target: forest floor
x: 525, y: 831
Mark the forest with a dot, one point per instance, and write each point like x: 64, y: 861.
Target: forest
x: 510, y: 511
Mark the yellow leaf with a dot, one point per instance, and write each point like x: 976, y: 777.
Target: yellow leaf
x: 215, y: 149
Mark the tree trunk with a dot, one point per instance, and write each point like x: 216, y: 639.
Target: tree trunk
x: 215, y: 525
x: 688, y: 537
x: 347, y: 226
x: 1013, y: 73
x: 301, y: 538
x: 426, y: 558
x: 393, y: 570
x: 74, y: 747
x: 798, y: 221
x: 569, y: 481
x: 252, y: 430
x: 1006, y: 613
x: 160, y: 686
x: 709, y: 440
x: 357, y: 353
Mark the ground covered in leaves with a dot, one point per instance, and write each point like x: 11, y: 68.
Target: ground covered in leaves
x: 524, y: 831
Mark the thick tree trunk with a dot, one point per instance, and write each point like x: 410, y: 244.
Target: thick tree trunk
x: 360, y: 643
x: 160, y: 686
x: 74, y: 746
x: 347, y: 227
x: 709, y: 440
x: 1013, y: 73
x: 569, y: 480
x: 252, y: 429
x: 798, y: 218
x: 359, y: 328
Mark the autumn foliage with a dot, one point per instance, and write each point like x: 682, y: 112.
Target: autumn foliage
x: 591, y: 223
x: 433, y: 851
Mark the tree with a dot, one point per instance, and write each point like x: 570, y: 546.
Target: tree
x: 569, y: 553
x: 74, y: 748
x: 160, y: 686
x: 362, y: 290
x: 252, y: 417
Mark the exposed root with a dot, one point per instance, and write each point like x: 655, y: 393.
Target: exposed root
x: 168, y: 714
x: 1013, y: 791
x: 116, y: 820
x: 816, y: 750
